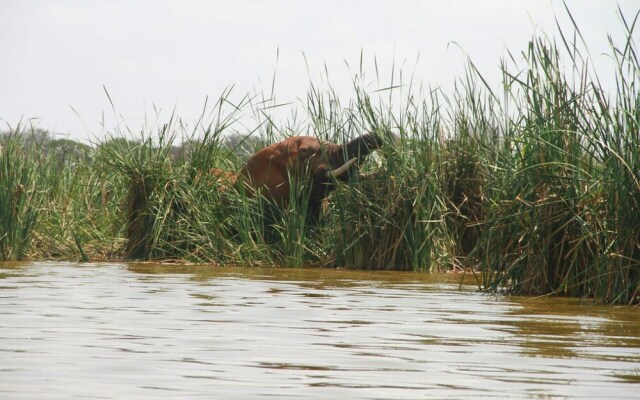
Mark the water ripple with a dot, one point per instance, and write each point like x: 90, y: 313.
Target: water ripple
x: 143, y: 331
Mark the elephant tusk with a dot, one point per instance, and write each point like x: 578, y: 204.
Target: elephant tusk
x: 336, y: 173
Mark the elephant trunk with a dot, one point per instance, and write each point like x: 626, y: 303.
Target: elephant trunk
x: 362, y: 146
x: 352, y: 153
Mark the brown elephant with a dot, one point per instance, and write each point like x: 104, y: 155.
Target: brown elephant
x: 305, y: 162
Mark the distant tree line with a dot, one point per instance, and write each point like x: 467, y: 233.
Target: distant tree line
x: 43, y: 140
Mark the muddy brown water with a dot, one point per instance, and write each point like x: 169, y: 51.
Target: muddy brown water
x: 113, y: 331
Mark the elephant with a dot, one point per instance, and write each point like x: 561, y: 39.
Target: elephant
x: 305, y: 162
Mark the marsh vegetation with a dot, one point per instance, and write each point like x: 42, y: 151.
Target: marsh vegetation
x: 532, y: 183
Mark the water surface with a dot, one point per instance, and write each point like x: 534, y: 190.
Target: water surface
x: 100, y: 331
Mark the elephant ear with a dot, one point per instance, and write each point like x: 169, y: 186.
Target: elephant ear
x: 338, y: 172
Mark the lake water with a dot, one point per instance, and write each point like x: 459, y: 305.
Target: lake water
x: 114, y: 331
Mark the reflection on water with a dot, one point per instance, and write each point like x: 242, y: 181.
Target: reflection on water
x: 148, y: 331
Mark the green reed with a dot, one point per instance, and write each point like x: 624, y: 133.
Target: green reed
x: 532, y: 184
x: 563, y: 209
x: 393, y: 216
x: 25, y: 183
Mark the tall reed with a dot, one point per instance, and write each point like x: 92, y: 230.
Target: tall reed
x: 27, y: 182
x: 534, y: 182
x: 563, y: 210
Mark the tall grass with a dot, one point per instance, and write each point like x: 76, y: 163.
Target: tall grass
x: 25, y: 185
x: 535, y: 184
x: 53, y: 201
x: 563, y: 210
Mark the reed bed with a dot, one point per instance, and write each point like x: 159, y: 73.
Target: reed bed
x: 533, y: 184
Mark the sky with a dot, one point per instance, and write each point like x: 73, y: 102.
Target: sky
x: 57, y: 57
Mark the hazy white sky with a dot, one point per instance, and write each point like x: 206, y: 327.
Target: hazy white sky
x: 57, y: 55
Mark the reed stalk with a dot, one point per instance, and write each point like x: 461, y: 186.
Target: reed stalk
x: 532, y: 181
